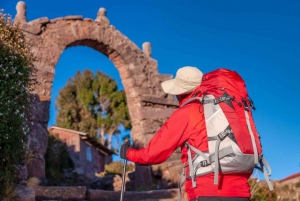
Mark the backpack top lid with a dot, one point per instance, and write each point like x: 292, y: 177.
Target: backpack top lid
x: 221, y: 80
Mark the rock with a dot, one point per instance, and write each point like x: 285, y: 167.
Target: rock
x: 24, y: 193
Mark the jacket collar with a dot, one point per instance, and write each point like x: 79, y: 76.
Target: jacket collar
x: 195, y: 93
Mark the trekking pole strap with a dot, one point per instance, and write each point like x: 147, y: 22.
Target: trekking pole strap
x: 266, y: 170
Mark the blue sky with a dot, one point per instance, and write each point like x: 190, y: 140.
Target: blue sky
x: 258, y: 39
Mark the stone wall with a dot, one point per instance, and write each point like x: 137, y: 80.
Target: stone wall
x: 148, y: 106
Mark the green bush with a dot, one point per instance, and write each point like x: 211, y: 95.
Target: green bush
x: 17, y: 80
x: 58, y: 163
x: 117, y: 167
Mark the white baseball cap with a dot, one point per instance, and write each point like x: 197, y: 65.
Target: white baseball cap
x: 186, y: 80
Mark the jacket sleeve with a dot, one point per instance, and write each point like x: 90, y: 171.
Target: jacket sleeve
x: 170, y: 136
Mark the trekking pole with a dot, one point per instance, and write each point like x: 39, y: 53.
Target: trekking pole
x: 123, y: 180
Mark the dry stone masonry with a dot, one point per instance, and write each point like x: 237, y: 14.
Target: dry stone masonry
x: 148, y: 106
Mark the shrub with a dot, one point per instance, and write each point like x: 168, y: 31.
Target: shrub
x: 260, y: 192
x: 117, y: 167
x: 17, y: 75
x: 58, y: 163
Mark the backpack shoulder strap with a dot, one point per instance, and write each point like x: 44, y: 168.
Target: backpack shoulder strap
x: 191, y: 100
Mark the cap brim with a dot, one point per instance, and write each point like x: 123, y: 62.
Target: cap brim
x: 169, y: 87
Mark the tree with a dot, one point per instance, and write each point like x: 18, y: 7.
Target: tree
x: 18, y: 78
x: 92, y: 104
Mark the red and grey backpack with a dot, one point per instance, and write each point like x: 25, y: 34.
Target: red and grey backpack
x: 233, y: 141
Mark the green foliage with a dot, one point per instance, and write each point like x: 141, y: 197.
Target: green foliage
x: 58, y: 162
x: 17, y: 75
x: 9, y: 192
x: 117, y: 167
x: 91, y: 103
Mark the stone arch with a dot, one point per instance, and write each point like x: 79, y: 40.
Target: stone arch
x: 148, y: 106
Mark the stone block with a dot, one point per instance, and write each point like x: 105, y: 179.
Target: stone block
x: 56, y: 19
x: 41, y: 112
x: 131, y: 175
x: 143, y: 177
x: 24, y: 193
x: 147, y: 48
x: 151, y: 126
x: 60, y: 193
x: 88, y: 19
x: 22, y: 172
x: 36, y: 168
x: 38, y: 138
x: 42, y: 20
x: 31, y: 28
x: 159, y: 100
x: 150, y: 113
x: 73, y: 17
x: 155, y: 195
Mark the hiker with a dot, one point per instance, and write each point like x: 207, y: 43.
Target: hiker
x: 187, y: 124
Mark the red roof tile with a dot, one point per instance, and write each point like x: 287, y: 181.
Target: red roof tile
x: 291, y: 176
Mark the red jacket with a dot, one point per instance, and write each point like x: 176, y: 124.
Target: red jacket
x: 187, y: 124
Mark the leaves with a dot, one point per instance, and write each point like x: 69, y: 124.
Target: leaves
x: 92, y: 104
x: 17, y: 81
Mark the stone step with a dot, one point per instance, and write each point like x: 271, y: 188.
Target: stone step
x: 154, y: 195
x: 184, y: 199
x: 81, y: 193
x: 71, y: 193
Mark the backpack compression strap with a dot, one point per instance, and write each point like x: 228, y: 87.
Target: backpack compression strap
x: 190, y: 161
x: 221, y: 136
x: 207, y: 160
x: 194, y: 165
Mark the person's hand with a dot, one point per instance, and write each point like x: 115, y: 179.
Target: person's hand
x: 124, y: 148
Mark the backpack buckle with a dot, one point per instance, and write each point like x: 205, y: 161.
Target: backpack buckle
x: 224, y: 98
x: 246, y: 107
x: 223, y: 134
x: 251, y: 103
x: 204, y: 163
